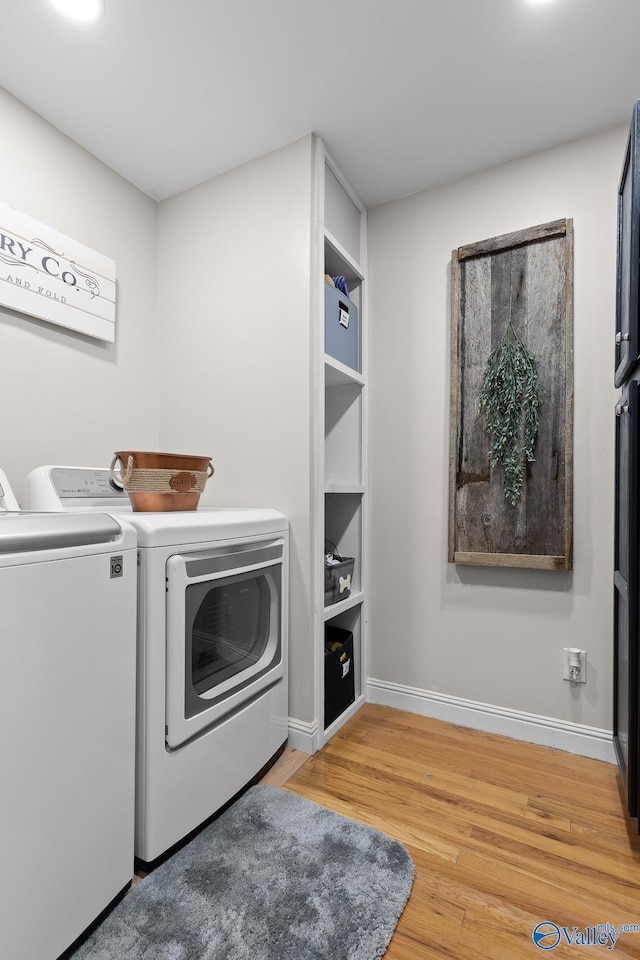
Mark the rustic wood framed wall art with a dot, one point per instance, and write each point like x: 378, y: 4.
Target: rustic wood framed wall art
x: 511, y: 427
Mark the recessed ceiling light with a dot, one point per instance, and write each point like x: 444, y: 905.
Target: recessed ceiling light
x: 80, y: 9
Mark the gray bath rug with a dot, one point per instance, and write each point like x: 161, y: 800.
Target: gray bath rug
x: 275, y: 877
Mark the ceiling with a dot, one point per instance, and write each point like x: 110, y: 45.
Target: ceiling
x: 405, y: 93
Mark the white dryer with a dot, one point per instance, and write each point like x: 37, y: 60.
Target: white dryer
x: 67, y: 711
x: 212, y: 700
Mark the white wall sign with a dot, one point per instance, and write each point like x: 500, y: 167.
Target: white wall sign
x: 47, y: 275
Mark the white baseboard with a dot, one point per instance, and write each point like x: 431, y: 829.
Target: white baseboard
x: 303, y: 736
x: 548, y: 732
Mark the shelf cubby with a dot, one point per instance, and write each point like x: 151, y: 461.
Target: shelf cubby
x: 343, y: 528
x: 343, y: 425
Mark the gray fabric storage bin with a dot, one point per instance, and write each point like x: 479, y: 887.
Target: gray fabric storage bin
x: 334, y: 591
x: 341, y: 328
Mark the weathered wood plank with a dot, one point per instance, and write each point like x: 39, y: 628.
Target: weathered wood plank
x: 453, y: 398
x: 528, y: 278
x: 520, y: 560
x: 568, y: 399
x: 546, y: 339
x: 508, y: 297
x: 519, y: 237
x: 474, y: 494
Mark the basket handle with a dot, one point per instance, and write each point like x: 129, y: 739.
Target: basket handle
x: 334, y: 549
x: 121, y: 480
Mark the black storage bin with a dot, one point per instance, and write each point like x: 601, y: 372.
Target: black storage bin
x: 339, y: 686
x: 338, y: 580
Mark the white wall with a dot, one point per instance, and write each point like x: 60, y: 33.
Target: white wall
x: 65, y: 398
x: 235, y: 356
x: 485, y: 634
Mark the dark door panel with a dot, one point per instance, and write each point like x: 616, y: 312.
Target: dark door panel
x: 625, y: 608
x: 627, y: 348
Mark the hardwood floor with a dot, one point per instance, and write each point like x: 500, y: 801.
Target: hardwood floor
x: 504, y: 835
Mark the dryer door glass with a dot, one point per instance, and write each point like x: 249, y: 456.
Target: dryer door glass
x: 232, y: 635
x: 230, y: 631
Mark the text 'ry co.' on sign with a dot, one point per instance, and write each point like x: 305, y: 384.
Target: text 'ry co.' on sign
x: 47, y: 275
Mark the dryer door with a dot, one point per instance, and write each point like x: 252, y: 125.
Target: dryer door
x: 224, y: 640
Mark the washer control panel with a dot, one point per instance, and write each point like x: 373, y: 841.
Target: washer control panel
x: 74, y: 488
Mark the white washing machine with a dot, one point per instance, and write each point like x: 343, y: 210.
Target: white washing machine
x: 67, y: 711
x: 212, y: 700
x: 7, y: 496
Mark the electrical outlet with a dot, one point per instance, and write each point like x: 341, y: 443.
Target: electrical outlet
x: 574, y: 665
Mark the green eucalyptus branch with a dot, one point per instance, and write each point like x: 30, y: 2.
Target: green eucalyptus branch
x: 509, y: 398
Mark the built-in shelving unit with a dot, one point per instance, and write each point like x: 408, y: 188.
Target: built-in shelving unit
x: 341, y: 477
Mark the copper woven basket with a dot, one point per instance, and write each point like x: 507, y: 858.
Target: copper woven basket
x: 159, y: 482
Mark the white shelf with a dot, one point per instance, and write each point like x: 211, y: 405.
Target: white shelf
x: 337, y: 487
x: 337, y: 374
x: 355, y: 598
